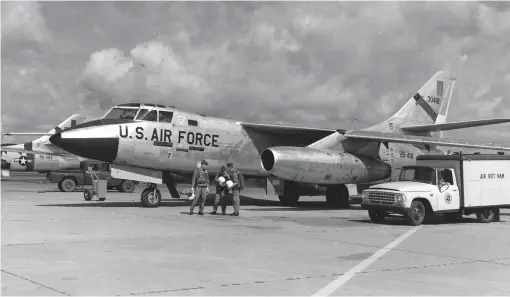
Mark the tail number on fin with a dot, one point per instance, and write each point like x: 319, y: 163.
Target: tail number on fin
x: 431, y: 99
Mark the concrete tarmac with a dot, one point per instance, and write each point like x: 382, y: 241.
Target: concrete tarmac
x: 56, y: 243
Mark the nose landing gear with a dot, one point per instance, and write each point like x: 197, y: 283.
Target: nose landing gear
x: 151, y: 196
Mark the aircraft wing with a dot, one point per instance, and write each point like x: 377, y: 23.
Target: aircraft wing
x: 285, y: 129
x: 454, y: 125
x: 267, y: 135
x: 422, y: 140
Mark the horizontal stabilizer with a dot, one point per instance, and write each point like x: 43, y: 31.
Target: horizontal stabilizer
x: 454, y: 125
x: 138, y: 174
x: 423, y: 140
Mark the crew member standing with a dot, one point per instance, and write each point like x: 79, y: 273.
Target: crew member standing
x: 237, y: 178
x: 200, y: 187
x: 221, y: 191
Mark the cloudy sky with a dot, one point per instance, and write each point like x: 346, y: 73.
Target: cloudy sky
x: 320, y: 64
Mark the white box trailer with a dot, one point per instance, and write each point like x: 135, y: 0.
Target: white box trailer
x: 453, y: 185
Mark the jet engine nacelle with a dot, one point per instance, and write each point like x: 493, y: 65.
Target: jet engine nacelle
x: 310, y: 165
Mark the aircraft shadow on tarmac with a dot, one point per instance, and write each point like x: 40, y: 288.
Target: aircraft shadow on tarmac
x: 268, y: 205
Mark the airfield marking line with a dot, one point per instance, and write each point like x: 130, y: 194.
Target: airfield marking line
x: 35, y: 283
x: 344, y: 278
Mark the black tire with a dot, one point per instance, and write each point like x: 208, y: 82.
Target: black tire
x: 417, y: 213
x: 127, y: 186
x: 87, y: 195
x: 290, y: 195
x: 487, y: 215
x: 337, y: 196
x: 148, y: 198
x: 59, y: 185
x: 288, y: 199
x: 377, y: 216
x: 67, y: 184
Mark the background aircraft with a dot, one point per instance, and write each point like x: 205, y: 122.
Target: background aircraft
x: 40, y: 155
x: 151, y: 143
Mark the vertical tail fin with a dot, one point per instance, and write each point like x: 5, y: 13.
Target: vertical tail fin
x: 428, y: 106
x: 71, y: 121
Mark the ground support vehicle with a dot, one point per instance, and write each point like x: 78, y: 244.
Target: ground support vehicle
x: 452, y: 185
x: 98, y: 188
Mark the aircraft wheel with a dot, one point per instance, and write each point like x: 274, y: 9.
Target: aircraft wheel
x: 290, y: 195
x: 150, y: 197
x: 338, y: 196
x: 417, y: 213
x: 87, y: 195
x: 487, y: 215
x: 127, y: 186
x: 288, y: 199
x: 67, y: 184
x: 377, y: 216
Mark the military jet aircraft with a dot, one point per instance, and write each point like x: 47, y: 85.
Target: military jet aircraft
x: 152, y: 142
x: 40, y: 155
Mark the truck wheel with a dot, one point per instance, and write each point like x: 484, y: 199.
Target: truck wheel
x: 127, y: 186
x: 87, y: 195
x: 417, y: 213
x: 149, y: 198
x: 377, y: 216
x: 487, y: 215
x: 67, y: 185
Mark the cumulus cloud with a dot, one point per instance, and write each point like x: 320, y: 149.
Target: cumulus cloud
x: 152, y: 69
x: 321, y: 64
x: 23, y: 25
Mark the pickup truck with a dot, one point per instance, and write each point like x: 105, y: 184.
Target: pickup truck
x: 452, y: 185
x: 69, y: 180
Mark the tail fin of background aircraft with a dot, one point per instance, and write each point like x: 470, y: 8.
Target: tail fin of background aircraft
x: 428, y: 106
x: 73, y: 120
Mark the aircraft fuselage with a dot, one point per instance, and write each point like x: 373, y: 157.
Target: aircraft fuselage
x: 37, y: 162
x: 179, y: 147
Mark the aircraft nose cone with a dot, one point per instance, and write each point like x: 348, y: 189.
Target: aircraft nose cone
x: 101, y: 149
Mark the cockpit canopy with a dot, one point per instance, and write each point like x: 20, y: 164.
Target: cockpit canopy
x: 140, y: 112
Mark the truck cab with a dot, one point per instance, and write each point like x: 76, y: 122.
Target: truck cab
x: 419, y: 190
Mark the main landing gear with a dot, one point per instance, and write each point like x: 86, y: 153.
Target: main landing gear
x: 151, y: 196
x: 337, y: 196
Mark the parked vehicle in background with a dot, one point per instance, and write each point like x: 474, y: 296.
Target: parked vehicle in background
x: 69, y: 180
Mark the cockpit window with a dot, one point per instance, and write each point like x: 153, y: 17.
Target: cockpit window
x: 147, y: 115
x: 165, y: 116
x: 121, y: 113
